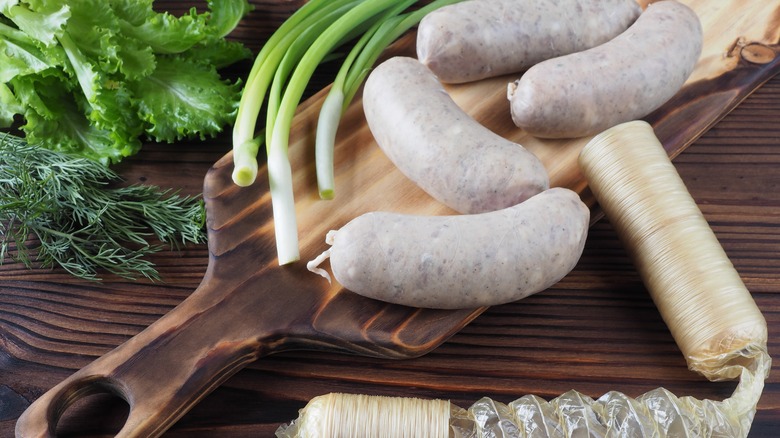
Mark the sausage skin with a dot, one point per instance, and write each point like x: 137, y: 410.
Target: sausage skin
x: 462, y: 261
x: 477, y: 39
x: 624, y: 79
x: 441, y: 148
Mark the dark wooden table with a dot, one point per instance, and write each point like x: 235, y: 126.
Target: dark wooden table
x: 596, y: 331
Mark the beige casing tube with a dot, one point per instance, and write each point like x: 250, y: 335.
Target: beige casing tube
x: 700, y: 295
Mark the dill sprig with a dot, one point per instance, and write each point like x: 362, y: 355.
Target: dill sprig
x: 57, y: 209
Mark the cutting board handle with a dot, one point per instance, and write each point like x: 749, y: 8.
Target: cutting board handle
x: 246, y: 307
x: 167, y: 368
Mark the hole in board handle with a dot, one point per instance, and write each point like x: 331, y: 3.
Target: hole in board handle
x: 91, y: 407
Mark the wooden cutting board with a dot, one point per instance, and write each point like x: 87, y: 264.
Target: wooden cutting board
x: 247, y: 307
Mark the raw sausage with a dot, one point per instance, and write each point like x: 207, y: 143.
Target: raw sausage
x: 441, y: 148
x: 624, y: 79
x: 476, y: 39
x: 461, y: 261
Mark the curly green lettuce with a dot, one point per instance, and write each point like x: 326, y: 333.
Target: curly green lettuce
x: 95, y: 78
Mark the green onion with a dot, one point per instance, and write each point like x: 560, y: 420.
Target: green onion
x: 281, y: 183
x: 281, y: 73
x: 276, y: 57
x: 335, y: 103
x: 293, y: 56
x: 349, y: 78
x: 245, y: 144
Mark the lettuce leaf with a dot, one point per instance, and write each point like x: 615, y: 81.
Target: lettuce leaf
x: 9, y: 106
x: 217, y: 52
x: 92, y: 76
x: 165, y: 33
x: 53, y: 112
x: 18, y: 60
x: 44, y: 25
x: 225, y: 15
x: 184, y: 99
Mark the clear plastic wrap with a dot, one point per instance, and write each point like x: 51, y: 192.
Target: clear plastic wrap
x: 657, y: 413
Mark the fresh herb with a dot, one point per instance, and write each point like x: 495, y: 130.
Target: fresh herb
x: 91, y: 77
x: 82, y: 219
x: 282, y: 71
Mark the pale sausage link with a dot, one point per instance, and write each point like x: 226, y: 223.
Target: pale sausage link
x: 461, y: 261
x: 441, y: 148
x: 477, y: 39
x: 624, y: 79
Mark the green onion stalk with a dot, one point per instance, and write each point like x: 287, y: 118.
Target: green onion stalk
x: 292, y: 58
x: 282, y: 200
x: 245, y: 144
x: 282, y: 71
x: 349, y: 78
x: 279, y: 169
x: 334, y: 103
